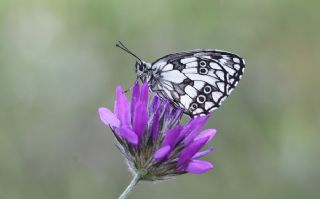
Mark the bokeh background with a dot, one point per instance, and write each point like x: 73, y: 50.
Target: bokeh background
x: 58, y: 64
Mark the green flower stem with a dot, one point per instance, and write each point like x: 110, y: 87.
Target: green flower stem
x: 130, y: 187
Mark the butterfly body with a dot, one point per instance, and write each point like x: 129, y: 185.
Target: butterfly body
x: 197, y: 81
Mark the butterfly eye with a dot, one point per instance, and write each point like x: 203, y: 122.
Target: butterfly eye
x: 202, y: 63
x: 141, y: 67
x: 201, y: 99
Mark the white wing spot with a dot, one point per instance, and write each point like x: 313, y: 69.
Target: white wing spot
x: 191, y: 64
x: 236, y: 60
x: 199, y: 85
x: 185, y: 100
x: 198, y: 110
x: 192, y: 92
x: 220, y: 86
x: 220, y: 74
x: 187, y: 60
x: 189, y: 70
x: 226, y: 57
x: 208, y: 105
x: 159, y: 65
x: 236, y: 66
x: 215, y: 66
x: 230, y: 70
x: 167, y: 67
x: 174, y: 76
x: 216, y: 96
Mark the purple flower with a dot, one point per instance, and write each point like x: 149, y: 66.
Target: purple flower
x: 150, y: 136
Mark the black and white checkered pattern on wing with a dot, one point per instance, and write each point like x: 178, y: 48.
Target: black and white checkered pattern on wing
x: 197, y: 81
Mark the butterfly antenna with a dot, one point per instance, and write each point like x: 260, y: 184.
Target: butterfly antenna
x: 129, y: 89
x: 123, y: 47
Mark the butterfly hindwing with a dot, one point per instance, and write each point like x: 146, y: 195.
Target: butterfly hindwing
x: 197, y: 81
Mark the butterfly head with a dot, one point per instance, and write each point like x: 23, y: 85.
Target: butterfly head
x: 142, y: 70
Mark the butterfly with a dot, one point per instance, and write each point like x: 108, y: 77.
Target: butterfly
x: 197, y: 81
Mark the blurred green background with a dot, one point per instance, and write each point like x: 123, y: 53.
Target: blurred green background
x: 58, y: 64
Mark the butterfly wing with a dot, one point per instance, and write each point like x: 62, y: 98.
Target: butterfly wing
x: 197, y: 81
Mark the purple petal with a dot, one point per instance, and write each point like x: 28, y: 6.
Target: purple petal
x: 162, y: 153
x: 108, y: 118
x: 203, y: 153
x: 154, y: 104
x: 191, y: 129
x: 198, y: 166
x: 169, y: 113
x: 190, y: 151
x: 155, y: 125
x: 144, y: 93
x: 206, y: 133
x: 128, y: 134
x: 178, y: 114
x: 122, y: 108
x: 135, y: 96
x: 171, y: 136
x: 140, y: 119
x: 173, y: 115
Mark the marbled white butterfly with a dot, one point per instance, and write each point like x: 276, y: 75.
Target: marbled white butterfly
x: 197, y: 81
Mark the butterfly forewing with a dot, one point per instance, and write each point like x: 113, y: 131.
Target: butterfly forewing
x: 196, y: 81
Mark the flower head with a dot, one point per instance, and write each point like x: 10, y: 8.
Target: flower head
x: 150, y: 136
